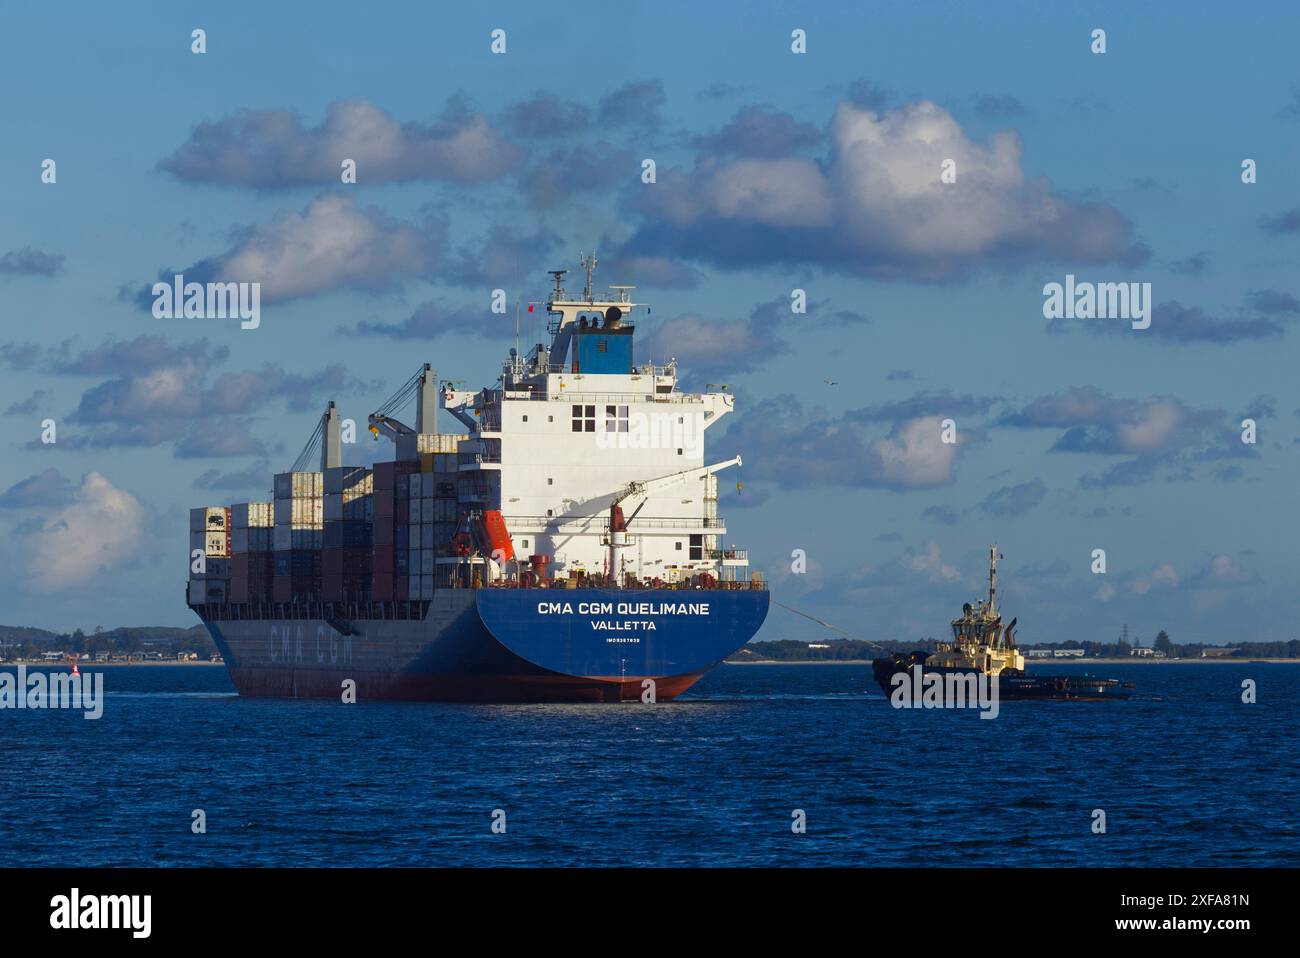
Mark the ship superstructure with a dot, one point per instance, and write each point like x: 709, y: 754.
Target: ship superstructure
x: 567, y: 546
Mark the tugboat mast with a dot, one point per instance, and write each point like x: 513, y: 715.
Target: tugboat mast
x: 993, y: 574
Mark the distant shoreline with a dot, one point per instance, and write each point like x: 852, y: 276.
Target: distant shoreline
x: 1030, y: 663
x: 103, y: 665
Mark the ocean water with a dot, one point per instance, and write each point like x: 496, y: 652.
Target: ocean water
x: 1185, y: 772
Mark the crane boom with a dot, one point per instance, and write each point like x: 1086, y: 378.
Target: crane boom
x: 645, y: 487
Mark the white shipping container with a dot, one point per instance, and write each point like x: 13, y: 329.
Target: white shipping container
x: 426, y: 587
x: 414, y: 485
x: 417, y: 511
x: 437, y: 442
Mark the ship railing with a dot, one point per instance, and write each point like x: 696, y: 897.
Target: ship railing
x: 601, y: 522
x: 728, y: 554
x: 576, y: 397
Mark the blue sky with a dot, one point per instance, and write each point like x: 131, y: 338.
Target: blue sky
x: 775, y: 171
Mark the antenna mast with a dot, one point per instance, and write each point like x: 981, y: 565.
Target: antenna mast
x: 589, y: 264
x: 993, y: 573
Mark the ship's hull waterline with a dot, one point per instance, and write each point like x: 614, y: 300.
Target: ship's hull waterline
x: 499, y: 645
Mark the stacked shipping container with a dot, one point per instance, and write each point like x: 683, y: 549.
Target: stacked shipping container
x: 298, y: 536
x: 345, y: 534
x: 210, y: 536
x: 349, y: 512
x: 253, y: 559
x: 432, y: 512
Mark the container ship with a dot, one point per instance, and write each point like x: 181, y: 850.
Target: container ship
x: 982, y: 645
x: 566, y: 547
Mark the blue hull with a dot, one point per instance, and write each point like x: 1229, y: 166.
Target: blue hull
x: 494, y: 645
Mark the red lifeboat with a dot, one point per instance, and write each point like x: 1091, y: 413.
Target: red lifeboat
x: 492, y: 528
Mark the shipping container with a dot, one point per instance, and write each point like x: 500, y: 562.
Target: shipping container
x: 248, y: 515
x: 381, y: 588
x: 413, y: 592
x: 440, y: 442
x: 298, y: 485
x: 209, y: 518
x: 198, y: 591
x: 216, y: 543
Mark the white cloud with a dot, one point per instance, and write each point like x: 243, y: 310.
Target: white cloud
x: 96, y: 528
x: 913, y: 455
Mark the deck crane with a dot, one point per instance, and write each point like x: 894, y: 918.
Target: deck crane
x: 424, y: 386
x: 644, y: 488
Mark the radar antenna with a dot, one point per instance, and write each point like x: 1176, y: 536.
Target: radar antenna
x: 558, y: 275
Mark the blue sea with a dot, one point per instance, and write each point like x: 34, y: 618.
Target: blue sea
x: 1185, y: 773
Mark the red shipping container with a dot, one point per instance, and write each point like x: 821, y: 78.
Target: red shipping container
x: 282, y: 588
x: 332, y: 562
x: 401, y: 585
x: 381, y: 589
x: 383, y: 476
x: 382, y: 533
x: 382, y: 561
x: 331, y: 588
x: 384, y: 502
x: 239, y: 590
x: 402, y: 512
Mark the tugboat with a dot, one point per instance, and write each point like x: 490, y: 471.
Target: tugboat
x: 981, y: 644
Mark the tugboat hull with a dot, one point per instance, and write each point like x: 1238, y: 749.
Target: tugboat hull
x: 1013, y: 684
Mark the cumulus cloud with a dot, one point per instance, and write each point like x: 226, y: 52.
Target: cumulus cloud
x: 45, y: 489
x: 30, y: 262
x: 1158, y: 432
x: 273, y: 148
x: 758, y: 130
x: 710, y: 348
x: 794, y: 447
x: 876, y: 206
x: 332, y: 244
x: 72, y: 539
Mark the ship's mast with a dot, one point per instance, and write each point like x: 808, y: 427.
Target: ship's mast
x: 589, y: 264
x: 993, y: 575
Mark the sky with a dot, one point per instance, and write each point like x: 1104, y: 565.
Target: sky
x: 774, y: 171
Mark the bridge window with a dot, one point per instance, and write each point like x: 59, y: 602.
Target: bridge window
x: 584, y: 418
x: 615, y: 419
